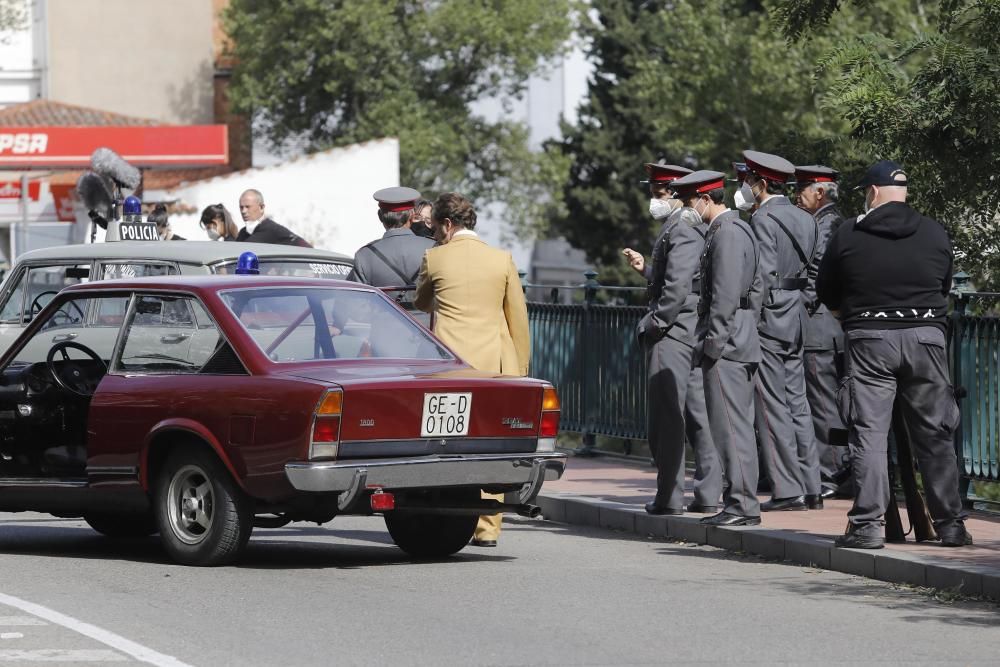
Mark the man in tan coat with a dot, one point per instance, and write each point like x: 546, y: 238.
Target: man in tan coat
x: 476, y: 296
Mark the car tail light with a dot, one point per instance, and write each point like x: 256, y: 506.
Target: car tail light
x: 548, y: 425
x: 326, y: 426
x: 382, y: 501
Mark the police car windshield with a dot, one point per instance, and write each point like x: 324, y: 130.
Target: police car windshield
x: 293, y: 268
x: 311, y: 323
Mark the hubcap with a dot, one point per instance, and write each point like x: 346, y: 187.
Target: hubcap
x: 190, y: 504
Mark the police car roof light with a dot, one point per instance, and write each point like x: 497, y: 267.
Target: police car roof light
x: 132, y: 206
x: 247, y: 264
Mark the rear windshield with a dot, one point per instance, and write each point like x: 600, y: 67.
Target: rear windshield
x: 294, y: 268
x: 303, y: 324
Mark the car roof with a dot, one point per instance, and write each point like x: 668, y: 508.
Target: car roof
x: 201, y: 253
x: 213, y: 283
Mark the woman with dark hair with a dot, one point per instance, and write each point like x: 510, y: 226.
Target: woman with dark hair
x: 218, y: 223
x: 159, y: 216
x: 476, y: 296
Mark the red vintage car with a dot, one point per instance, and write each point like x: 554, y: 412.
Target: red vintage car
x: 202, y: 407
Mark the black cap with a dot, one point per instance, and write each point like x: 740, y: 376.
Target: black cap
x: 883, y: 173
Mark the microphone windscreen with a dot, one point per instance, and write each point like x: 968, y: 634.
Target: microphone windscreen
x: 108, y: 163
x: 95, y: 192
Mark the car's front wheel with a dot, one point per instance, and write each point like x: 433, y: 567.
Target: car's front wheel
x: 123, y: 526
x: 203, y: 516
x: 430, y: 535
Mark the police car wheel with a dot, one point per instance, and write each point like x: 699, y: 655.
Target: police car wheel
x: 123, y: 526
x: 424, y: 536
x: 203, y: 516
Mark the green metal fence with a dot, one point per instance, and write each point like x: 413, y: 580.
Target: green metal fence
x: 588, y: 350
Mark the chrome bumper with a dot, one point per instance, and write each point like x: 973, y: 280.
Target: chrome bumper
x: 427, y: 471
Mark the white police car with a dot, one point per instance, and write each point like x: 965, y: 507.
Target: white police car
x: 40, y: 274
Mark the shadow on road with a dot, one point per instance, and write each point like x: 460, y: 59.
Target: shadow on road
x: 263, y: 552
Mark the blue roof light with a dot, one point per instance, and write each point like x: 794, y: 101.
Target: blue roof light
x: 132, y: 206
x: 247, y: 264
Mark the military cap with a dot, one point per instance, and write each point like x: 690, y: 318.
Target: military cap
x: 396, y: 199
x: 663, y: 173
x: 741, y: 171
x: 815, y: 173
x: 770, y: 167
x: 698, y: 182
x: 883, y: 173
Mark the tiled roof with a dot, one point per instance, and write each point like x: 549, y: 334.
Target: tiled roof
x: 58, y: 114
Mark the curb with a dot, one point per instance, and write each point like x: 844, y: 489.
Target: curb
x: 803, y: 548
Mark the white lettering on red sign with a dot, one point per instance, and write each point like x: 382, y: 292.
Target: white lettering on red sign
x: 23, y: 143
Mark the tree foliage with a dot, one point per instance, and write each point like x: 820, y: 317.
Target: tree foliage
x: 696, y: 82
x: 932, y: 102
x: 13, y: 16
x: 334, y: 72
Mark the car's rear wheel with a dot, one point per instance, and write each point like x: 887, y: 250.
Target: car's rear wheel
x: 204, y: 518
x: 123, y: 526
x: 432, y: 535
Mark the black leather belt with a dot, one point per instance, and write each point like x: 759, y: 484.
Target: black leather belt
x: 791, y: 284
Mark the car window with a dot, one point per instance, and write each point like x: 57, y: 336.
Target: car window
x: 44, y: 282
x: 294, y: 268
x: 11, y: 311
x: 136, y: 270
x: 67, y: 323
x: 168, y: 334
x: 297, y: 324
x: 110, y: 312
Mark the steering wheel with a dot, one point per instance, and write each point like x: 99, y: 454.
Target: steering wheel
x: 71, y: 376
x: 36, y: 307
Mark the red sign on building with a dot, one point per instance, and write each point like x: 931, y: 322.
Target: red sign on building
x: 142, y: 146
x: 12, y: 190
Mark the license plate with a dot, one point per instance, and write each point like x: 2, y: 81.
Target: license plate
x: 446, y: 415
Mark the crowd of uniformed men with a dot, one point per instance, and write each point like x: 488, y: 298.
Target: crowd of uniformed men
x: 764, y: 337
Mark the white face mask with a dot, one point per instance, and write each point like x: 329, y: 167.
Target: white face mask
x: 212, y: 234
x: 661, y: 208
x: 742, y: 203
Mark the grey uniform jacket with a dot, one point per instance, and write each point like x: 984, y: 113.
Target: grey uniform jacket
x: 823, y: 331
x: 674, y: 279
x: 730, y: 292
x: 784, y: 315
x: 404, y: 251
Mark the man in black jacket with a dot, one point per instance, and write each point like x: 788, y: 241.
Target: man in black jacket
x: 259, y: 229
x: 887, y: 277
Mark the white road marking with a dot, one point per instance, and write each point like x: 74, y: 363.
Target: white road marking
x: 117, y: 642
x: 18, y: 621
x: 61, y: 655
x: 11, y: 635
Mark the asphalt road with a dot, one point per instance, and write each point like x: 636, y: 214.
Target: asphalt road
x: 548, y: 595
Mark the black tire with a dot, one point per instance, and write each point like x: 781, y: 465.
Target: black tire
x: 428, y: 536
x: 203, y: 516
x: 123, y: 526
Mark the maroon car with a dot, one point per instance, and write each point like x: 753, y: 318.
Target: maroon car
x: 200, y: 408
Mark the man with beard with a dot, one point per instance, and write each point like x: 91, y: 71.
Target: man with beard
x: 818, y: 192
x: 674, y: 386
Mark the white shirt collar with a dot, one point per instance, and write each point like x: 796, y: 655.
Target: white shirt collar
x: 252, y: 225
x: 727, y: 210
x: 464, y: 232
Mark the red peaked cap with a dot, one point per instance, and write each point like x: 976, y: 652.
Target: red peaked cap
x: 664, y: 173
x: 396, y: 199
x: 770, y: 167
x: 815, y: 173
x: 699, y: 182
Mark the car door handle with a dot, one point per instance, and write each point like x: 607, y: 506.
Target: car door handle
x: 174, y: 338
x: 59, y: 338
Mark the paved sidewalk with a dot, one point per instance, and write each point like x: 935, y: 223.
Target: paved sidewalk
x: 610, y: 493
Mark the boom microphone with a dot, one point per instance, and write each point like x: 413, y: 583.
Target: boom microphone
x: 96, y: 194
x: 108, y: 163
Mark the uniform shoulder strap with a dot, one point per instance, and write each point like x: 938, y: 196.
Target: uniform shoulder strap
x: 795, y: 244
x: 385, y: 260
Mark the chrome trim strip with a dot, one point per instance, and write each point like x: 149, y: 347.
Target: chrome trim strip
x: 43, y: 481
x: 113, y: 470
x: 425, y: 471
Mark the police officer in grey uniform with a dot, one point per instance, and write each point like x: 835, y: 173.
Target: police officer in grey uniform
x: 786, y: 238
x: 818, y: 192
x: 887, y: 277
x: 675, y: 394
x: 727, y: 348
x: 393, y: 260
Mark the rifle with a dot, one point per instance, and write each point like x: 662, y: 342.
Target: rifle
x: 916, y: 507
